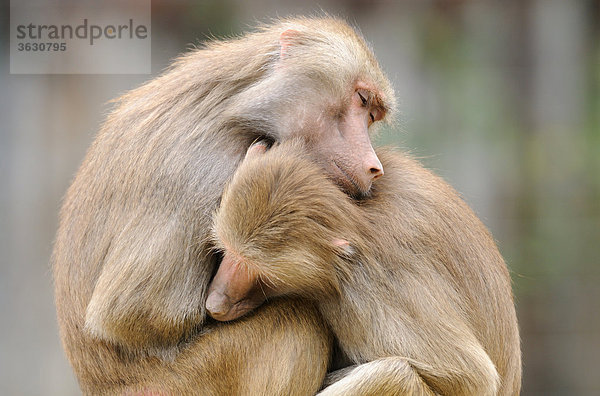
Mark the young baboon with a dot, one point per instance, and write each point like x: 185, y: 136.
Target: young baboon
x: 409, y: 280
x: 133, y: 257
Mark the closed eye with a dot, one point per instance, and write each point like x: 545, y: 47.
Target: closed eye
x: 362, y: 98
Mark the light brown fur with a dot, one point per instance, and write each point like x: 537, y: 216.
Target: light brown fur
x: 419, y: 298
x: 133, y: 257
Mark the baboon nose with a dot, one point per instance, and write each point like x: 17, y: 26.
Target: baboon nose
x: 373, y: 167
x: 376, y: 173
x: 218, y: 305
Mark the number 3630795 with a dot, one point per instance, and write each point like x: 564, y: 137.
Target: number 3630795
x: 42, y: 47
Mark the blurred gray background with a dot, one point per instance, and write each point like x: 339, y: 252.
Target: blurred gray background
x: 500, y: 98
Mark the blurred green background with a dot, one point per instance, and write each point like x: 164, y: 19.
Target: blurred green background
x: 500, y: 98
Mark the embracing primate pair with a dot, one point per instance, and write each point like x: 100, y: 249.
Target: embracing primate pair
x: 393, y: 269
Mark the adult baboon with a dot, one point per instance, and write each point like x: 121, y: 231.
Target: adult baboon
x: 133, y: 258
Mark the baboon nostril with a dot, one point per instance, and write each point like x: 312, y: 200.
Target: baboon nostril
x: 376, y: 173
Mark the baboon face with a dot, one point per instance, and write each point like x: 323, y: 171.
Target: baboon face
x: 341, y: 143
x: 327, y: 89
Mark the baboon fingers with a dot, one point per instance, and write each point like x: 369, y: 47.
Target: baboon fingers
x: 257, y: 148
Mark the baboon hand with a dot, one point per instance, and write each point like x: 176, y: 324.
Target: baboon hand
x: 256, y: 149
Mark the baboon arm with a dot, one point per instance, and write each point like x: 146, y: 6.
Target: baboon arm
x: 385, y: 376
x: 402, y: 376
x: 150, y: 291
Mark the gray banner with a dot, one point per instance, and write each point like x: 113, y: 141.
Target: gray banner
x: 80, y: 37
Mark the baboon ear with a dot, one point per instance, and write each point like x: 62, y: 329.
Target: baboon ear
x: 344, y: 246
x: 286, y: 40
